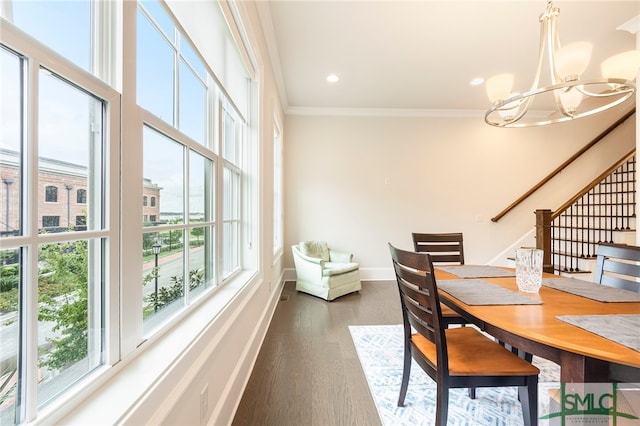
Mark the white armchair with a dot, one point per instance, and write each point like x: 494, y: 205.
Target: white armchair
x: 323, y: 272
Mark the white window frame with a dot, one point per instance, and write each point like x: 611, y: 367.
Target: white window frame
x: 40, y: 56
x: 114, y: 35
x: 278, y: 189
x: 240, y: 132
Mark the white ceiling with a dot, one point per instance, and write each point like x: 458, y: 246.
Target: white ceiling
x: 412, y: 54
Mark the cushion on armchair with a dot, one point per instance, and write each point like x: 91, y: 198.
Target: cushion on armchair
x: 331, y: 268
x: 318, y: 249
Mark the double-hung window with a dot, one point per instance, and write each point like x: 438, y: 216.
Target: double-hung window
x: 173, y: 90
x: 232, y: 133
x: 59, y: 124
x: 65, y: 314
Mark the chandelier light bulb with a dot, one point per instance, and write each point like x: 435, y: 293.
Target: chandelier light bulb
x: 624, y: 65
x: 499, y: 87
x: 571, y: 99
x: 571, y: 60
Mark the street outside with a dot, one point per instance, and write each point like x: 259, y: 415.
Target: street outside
x: 169, y: 266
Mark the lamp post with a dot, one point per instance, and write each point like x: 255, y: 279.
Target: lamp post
x: 156, y: 252
x: 68, y: 188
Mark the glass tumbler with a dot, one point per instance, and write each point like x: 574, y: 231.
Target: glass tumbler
x: 529, y: 269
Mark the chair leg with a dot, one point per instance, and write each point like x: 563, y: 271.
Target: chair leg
x: 528, y: 396
x: 442, y: 405
x: 472, y: 393
x: 406, y: 372
x: 524, y: 355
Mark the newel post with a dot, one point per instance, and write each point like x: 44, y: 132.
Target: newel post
x: 543, y: 237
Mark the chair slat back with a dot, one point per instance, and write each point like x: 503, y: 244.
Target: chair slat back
x: 617, y: 265
x: 419, y: 297
x: 443, y: 247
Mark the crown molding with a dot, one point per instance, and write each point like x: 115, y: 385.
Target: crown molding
x: 382, y: 112
x: 396, y: 112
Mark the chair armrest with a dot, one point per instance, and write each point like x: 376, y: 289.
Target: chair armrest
x: 307, y: 268
x: 340, y: 256
x: 306, y: 258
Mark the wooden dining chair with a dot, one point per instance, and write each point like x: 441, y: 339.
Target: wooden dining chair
x: 444, y: 248
x: 617, y: 266
x: 459, y: 357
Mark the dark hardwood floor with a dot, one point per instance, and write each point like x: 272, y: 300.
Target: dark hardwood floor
x: 307, y: 372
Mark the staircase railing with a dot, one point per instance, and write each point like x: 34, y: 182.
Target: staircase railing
x: 562, y: 166
x: 604, y: 206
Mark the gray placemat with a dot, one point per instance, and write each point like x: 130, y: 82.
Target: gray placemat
x: 478, y: 292
x: 476, y: 271
x: 620, y: 328
x: 601, y: 293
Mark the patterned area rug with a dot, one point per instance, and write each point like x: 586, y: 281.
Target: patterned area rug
x: 380, y: 350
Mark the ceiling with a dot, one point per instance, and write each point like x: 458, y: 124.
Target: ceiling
x: 422, y: 54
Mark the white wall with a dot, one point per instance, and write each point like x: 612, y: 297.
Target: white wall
x: 362, y: 181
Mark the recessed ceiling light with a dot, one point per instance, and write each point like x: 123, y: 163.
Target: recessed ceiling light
x: 332, y: 78
x: 477, y: 81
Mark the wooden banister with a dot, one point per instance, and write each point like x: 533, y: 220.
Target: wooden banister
x: 543, y: 238
x: 563, y: 166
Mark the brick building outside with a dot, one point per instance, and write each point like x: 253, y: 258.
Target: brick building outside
x: 63, y: 196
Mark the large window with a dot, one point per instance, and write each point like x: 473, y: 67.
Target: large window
x: 179, y: 240
x: 54, y: 319
x: 178, y: 249
x: 177, y: 95
x: 11, y: 101
x: 232, y: 132
x: 66, y: 315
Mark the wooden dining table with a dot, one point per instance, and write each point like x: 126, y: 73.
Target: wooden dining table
x: 583, y: 357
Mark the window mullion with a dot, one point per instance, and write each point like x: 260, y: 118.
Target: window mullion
x: 29, y: 314
x: 186, y: 230
x: 176, y: 80
x: 106, y: 59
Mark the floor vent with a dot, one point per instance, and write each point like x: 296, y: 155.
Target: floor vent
x: 284, y: 297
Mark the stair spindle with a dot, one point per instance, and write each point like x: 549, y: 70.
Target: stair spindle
x: 593, y: 218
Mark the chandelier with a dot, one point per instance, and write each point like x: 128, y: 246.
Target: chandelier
x: 572, y: 97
